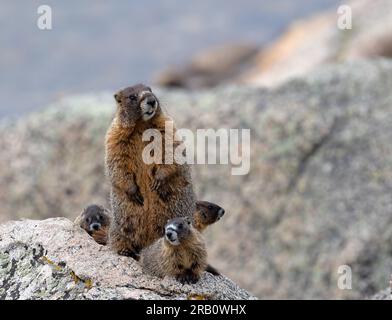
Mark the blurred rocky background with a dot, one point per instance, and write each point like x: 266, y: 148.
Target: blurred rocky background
x: 105, y: 46
x: 318, y: 101
x: 304, y: 46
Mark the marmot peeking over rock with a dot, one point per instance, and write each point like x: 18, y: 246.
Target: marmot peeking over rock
x: 95, y: 220
x: 143, y: 196
x: 206, y: 214
x: 181, y: 253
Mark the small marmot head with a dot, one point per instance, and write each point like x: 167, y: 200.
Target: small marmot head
x: 94, y: 218
x: 208, y: 213
x: 137, y: 102
x: 177, y: 230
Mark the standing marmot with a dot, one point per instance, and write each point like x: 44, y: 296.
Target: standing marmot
x: 143, y: 196
x: 181, y: 253
x: 95, y: 220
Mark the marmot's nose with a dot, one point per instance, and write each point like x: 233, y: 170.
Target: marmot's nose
x: 151, y: 101
x: 221, y: 212
x: 95, y: 226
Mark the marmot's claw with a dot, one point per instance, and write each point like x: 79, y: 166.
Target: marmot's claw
x: 128, y: 253
x: 188, y: 278
x: 182, y: 279
x: 192, y: 278
x: 155, y: 184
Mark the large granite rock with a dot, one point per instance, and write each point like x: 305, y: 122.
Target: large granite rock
x: 54, y: 259
x: 318, y: 194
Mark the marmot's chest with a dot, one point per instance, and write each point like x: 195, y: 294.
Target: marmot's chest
x: 182, y: 256
x: 138, y: 151
x: 140, y: 155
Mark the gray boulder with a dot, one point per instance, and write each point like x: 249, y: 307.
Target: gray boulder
x: 54, y: 259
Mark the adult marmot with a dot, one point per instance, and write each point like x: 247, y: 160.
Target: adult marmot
x: 181, y: 253
x: 143, y: 196
x: 95, y: 220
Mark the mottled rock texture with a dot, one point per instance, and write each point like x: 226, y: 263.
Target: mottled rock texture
x: 383, y: 295
x: 318, y: 194
x: 54, y: 259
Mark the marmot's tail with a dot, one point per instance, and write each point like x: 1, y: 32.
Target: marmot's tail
x: 212, y: 270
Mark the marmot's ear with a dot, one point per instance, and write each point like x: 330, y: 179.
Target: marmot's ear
x: 198, y: 205
x: 117, y: 97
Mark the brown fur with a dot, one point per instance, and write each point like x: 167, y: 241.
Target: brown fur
x: 185, y: 262
x: 206, y: 214
x: 143, y: 196
x: 101, y: 236
x: 98, y: 215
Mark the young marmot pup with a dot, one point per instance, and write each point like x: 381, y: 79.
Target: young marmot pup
x: 95, y: 220
x: 206, y: 214
x: 143, y: 196
x: 181, y: 253
x: 91, y: 218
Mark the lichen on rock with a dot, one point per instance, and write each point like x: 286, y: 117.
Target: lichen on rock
x: 54, y: 259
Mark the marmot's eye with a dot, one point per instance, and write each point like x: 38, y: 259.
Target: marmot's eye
x: 132, y: 97
x: 210, y: 207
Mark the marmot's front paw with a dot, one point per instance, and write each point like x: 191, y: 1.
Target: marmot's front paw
x: 161, y: 187
x: 129, y: 253
x: 188, y: 277
x: 136, y: 197
x: 156, y: 184
x: 157, y: 178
